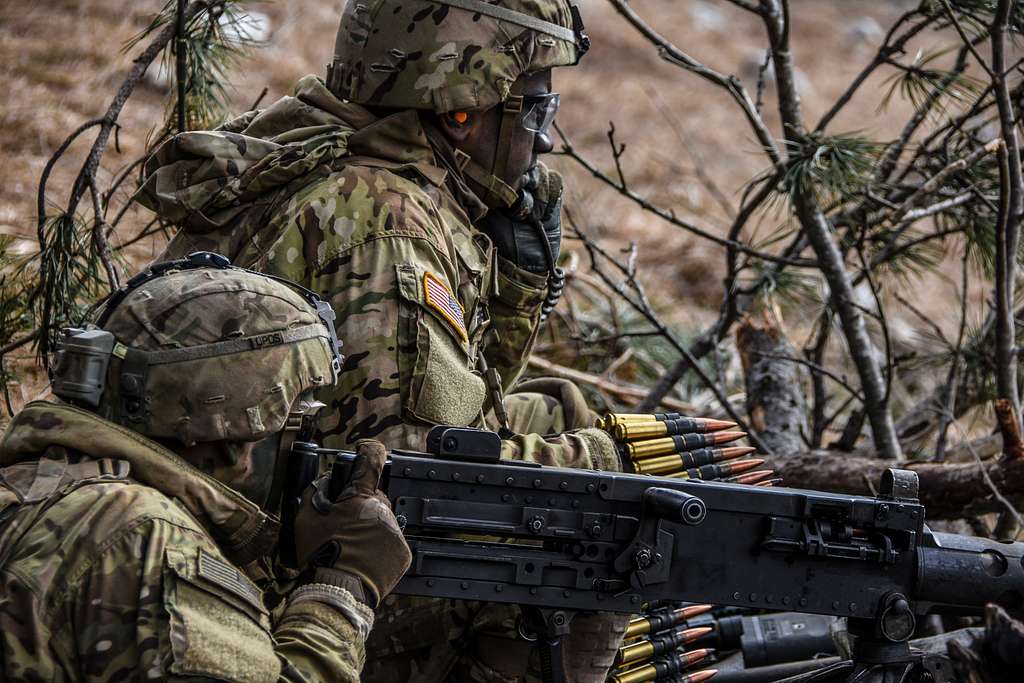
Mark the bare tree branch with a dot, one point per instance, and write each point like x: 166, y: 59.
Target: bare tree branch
x: 669, y: 216
x: 643, y: 306
x: 1012, y: 206
x: 888, y: 49
x: 619, y: 390
x: 674, y: 55
x: 818, y: 232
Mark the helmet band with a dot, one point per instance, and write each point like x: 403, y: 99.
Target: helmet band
x: 513, y: 17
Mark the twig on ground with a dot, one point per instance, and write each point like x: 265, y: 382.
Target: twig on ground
x: 623, y: 392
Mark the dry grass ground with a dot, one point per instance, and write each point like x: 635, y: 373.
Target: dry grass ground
x: 61, y: 60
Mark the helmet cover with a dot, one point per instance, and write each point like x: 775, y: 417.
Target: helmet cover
x: 213, y: 353
x: 449, y: 55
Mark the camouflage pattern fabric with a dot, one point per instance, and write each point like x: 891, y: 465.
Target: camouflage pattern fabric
x: 422, y: 55
x: 375, y: 229
x: 118, y: 561
x: 378, y: 228
x: 547, y: 406
x: 195, y: 307
x: 421, y: 640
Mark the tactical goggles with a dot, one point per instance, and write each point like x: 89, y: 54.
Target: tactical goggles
x: 539, y: 112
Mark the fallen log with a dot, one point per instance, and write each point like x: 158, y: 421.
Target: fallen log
x: 948, y: 490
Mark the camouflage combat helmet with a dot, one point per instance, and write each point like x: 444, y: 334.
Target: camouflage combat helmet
x: 455, y: 55
x: 197, y: 351
x: 449, y: 55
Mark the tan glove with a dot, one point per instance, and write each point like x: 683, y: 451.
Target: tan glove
x: 353, y: 542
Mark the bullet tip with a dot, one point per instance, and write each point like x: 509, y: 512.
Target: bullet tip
x: 691, y: 634
x: 753, y: 477
x: 691, y: 611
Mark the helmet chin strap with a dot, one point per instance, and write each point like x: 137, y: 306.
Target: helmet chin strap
x: 498, y: 193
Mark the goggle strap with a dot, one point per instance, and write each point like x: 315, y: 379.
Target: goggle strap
x: 512, y: 108
x: 495, y: 186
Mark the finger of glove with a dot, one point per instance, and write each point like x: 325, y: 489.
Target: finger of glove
x: 552, y: 222
x: 367, y: 468
x: 549, y: 185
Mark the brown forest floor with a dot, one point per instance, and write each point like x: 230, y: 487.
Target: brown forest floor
x: 61, y: 60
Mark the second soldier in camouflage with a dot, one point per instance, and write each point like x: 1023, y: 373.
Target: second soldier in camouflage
x: 406, y: 190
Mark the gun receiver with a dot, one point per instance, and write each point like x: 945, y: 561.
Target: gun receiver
x: 596, y: 541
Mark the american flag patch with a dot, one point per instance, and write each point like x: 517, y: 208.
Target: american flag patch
x: 441, y: 299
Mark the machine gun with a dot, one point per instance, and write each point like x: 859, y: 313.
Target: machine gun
x: 580, y: 540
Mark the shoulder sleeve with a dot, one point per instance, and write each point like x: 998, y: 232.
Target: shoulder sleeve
x: 366, y: 243
x: 588, y: 448
x: 161, y: 602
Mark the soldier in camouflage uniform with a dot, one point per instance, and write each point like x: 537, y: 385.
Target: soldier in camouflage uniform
x: 127, y: 550
x: 406, y: 191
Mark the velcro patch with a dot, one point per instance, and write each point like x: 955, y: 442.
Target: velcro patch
x: 221, y: 573
x: 263, y: 340
x: 441, y: 299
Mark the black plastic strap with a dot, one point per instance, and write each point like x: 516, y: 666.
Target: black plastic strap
x: 132, y: 389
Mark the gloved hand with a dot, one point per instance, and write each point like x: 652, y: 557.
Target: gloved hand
x: 353, y: 542
x: 527, y: 232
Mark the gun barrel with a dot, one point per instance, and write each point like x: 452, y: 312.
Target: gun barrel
x: 961, y: 574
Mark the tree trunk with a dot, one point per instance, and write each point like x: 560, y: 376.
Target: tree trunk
x: 775, y: 392
x: 1011, y: 206
x: 819, y: 234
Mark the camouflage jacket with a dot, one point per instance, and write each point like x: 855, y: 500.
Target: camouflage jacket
x: 370, y: 214
x: 119, y: 561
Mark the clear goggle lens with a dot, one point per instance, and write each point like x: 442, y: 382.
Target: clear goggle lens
x: 539, y: 112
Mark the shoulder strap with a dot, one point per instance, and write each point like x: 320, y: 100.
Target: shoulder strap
x: 44, y: 482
